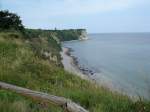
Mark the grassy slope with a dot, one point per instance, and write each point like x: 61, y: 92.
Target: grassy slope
x: 20, y: 65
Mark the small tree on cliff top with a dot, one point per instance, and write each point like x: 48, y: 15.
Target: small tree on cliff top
x: 10, y: 21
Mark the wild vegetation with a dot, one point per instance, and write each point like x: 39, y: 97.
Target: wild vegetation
x: 26, y: 60
x: 66, y: 35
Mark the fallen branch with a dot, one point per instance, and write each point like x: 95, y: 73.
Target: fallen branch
x: 66, y: 104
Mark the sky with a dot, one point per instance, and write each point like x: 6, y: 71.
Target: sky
x: 97, y: 16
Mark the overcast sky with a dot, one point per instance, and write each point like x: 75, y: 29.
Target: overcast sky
x: 94, y: 15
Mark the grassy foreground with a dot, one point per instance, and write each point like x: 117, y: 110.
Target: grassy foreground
x: 21, y: 64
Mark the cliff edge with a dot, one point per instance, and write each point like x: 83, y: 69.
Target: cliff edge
x: 83, y: 35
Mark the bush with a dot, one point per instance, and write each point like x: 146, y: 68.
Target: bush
x: 10, y: 21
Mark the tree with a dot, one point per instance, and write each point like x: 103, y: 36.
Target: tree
x: 10, y: 21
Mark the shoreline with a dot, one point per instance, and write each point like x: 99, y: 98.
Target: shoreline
x: 83, y: 70
x: 70, y: 63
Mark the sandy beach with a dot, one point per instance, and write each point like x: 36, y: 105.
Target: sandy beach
x: 69, y: 64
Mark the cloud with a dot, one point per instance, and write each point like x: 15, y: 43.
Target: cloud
x: 91, y: 6
x: 69, y: 7
x: 38, y: 13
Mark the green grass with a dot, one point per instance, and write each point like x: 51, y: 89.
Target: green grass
x: 12, y: 102
x: 21, y: 66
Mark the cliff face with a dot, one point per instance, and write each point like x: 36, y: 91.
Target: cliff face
x: 70, y: 34
x: 47, y: 43
x: 83, y: 35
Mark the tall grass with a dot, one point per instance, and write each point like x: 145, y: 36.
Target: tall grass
x: 11, y: 102
x: 21, y: 66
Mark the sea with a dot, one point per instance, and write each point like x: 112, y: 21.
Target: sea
x: 119, y: 61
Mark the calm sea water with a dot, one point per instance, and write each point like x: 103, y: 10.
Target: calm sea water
x: 120, y: 61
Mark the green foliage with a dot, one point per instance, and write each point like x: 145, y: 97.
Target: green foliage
x: 62, y: 35
x: 10, y: 21
x: 12, y: 102
x: 43, y: 41
x: 20, y: 65
x: 66, y: 35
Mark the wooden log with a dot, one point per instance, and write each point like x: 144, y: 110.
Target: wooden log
x: 66, y: 104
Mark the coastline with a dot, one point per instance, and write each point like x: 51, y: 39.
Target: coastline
x: 70, y: 64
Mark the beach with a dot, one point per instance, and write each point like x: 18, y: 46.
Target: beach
x: 70, y: 64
